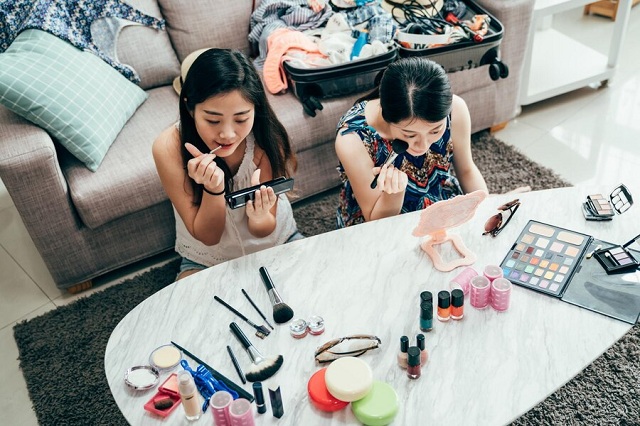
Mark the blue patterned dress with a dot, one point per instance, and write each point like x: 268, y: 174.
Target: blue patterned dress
x: 429, y: 177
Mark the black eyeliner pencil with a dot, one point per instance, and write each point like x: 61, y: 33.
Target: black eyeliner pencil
x: 236, y: 365
x: 257, y: 309
x: 216, y: 375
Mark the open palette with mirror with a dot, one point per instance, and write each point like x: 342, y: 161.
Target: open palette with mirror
x: 560, y: 263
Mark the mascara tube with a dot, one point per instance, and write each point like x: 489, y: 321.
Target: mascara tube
x: 257, y: 393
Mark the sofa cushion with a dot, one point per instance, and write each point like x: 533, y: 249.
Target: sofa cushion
x: 127, y: 181
x: 148, y: 50
x: 200, y: 24
x: 308, y: 132
x: 74, y: 95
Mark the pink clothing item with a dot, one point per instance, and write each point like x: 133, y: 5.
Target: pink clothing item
x: 278, y: 43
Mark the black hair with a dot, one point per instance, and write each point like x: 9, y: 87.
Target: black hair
x: 220, y: 71
x: 414, y: 87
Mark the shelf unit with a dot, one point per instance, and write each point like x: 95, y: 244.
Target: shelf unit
x: 556, y: 63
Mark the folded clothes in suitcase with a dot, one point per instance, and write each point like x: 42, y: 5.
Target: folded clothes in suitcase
x: 418, y: 35
x: 311, y: 85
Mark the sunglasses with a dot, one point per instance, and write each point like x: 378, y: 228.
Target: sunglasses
x: 355, y: 345
x: 497, y: 222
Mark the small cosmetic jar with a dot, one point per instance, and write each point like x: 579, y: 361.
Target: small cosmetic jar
x: 349, y: 378
x: 492, y: 272
x: 298, y: 328
x: 141, y: 377
x: 480, y: 292
x: 165, y: 357
x: 500, y: 294
x: 463, y: 280
x: 320, y: 396
x: 315, y: 325
x: 379, y: 407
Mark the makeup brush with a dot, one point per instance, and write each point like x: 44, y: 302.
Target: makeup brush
x: 399, y: 147
x: 257, y: 309
x: 261, y: 330
x: 281, y: 311
x: 261, y: 367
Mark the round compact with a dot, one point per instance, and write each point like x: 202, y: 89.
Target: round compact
x: 298, y: 328
x: 349, y: 378
x: 141, y: 377
x: 378, y: 407
x: 165, y: 357
x: 320, y: 396
x: 316, y: 325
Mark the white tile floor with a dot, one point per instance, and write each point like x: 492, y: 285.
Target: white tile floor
x: 585, y: 136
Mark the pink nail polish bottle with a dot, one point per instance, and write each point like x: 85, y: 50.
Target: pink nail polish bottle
x: 423, y: 351
x: 402, y: 355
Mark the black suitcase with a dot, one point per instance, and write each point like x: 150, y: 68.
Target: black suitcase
x: 311, y: 85
x: 468, y: 54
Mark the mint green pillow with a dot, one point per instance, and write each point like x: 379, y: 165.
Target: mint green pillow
x: 74, y: 95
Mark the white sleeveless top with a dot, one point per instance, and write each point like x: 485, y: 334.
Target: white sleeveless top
x: 236, y: 239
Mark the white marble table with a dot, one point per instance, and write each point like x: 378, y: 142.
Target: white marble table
x: 487, y: 369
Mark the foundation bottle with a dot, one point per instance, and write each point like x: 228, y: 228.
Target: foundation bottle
x: 189, y: 396
x: 402, y: 355
x: 444, y: 305
x: 413, y: 363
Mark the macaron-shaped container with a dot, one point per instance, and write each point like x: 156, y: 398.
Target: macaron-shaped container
x: 320, y: 396
x: 378, y: 407
x: 348, y: 378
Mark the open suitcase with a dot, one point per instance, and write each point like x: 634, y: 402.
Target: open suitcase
x: 311, y: 85
x: 465, y: 54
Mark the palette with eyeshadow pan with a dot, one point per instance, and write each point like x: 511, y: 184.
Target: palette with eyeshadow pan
x: 545, y: 257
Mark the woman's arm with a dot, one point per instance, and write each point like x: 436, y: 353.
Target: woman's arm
x: 467, y: 172
x: 205, y: 222
x: 387, y: 198
x: 261, y: 213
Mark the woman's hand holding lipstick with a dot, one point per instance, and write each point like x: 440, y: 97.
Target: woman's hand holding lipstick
x: 203, y: 170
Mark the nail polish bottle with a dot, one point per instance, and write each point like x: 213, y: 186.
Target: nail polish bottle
x: 413, y: 363
x: 402, y: 355
x: 423, y: 351
x: 426, y: 296
x: 444, y: 305
x: 426, y: 316
x: 189, y: 396
x: 457, y: 304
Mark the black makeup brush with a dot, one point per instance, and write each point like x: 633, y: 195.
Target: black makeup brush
x: 399, y: 147
x: 261, y: 368
x: 281, y: 311
x: 261, y: 330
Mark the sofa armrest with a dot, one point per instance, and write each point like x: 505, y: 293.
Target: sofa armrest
x: 30, y: 170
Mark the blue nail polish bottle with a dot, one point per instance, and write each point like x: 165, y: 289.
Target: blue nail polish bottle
x: 426, y: 315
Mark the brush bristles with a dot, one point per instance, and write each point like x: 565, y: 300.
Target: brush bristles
x: 282, y: 313
x: 264, y: 370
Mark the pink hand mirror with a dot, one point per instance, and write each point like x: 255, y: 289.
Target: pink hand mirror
x: 434, y: 221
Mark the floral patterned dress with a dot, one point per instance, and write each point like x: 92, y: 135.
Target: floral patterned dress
x: 429, y: 178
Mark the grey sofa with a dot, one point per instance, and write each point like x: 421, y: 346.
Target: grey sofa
x: 85, y: 224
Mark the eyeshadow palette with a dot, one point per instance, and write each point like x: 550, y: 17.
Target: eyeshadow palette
x: 545, y: 257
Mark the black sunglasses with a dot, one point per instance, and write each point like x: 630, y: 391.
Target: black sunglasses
x: 497, y: 222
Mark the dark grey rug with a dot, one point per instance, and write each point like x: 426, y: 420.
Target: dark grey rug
x: 61, y: 352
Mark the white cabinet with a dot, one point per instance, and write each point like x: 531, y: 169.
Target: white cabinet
x: 556, y: 64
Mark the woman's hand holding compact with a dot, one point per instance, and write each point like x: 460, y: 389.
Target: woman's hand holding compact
x: 263, y: 201
x: 204, y: 171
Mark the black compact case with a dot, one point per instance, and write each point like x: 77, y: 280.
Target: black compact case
x: 617, y: 259
x: 240, y: 198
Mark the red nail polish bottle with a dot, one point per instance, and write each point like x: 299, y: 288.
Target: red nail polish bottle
x: 413, y: 363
